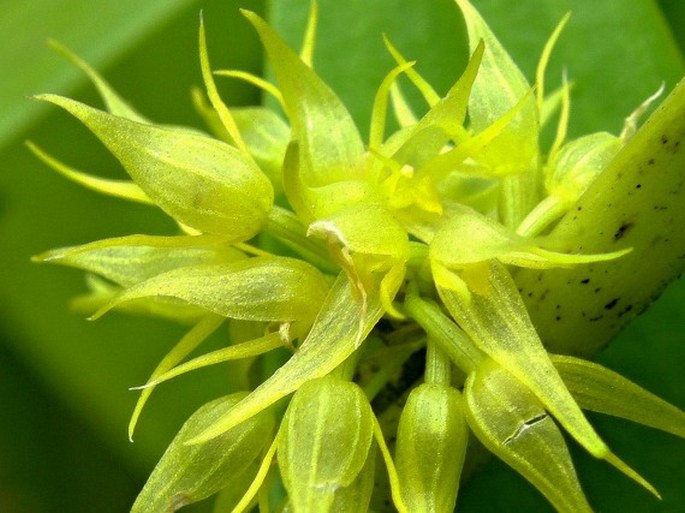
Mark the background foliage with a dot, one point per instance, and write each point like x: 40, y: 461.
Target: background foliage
x: 63, y: 381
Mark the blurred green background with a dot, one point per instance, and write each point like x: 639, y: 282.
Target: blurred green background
x: 64, y: 403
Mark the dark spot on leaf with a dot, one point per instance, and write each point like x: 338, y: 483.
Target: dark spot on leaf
x: 595, y: 319
x: 625, y: 310
x: 651, y: 162
x: 598, y: 289
x: 664, y: 139
x: 638, y: 186
x: 558, y: 317
x: 622, y: 230
x: 585, y: 281
x: 611, y: 304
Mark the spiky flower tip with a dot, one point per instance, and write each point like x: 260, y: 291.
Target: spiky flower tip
x: 359, y: 257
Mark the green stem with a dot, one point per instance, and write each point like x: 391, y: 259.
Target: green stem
x: 438, y: 364
x: 546, y: 212
x: 517, y: 197
x: 285, y: 226
x: 444, y: 332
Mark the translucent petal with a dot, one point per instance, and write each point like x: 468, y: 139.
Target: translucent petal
x: 331, y: 148
x: 511, y: 422
x: 544, y: 60
x: 189, y: 473
x: 102, y: 292
x: 324, y: 441
x: 308, y: 43
x: 429, y: 94
x: 115, y: 104
x: 576, y: 164
x: 132, y: 259
x: 200, y: 181
x: 258, y: 289
x: 123, y: 189
x: 498, y: 87
x: 513, y: 153
x: 185, y: 346
x: 213, y: 94
x: 599, y: 389
x: 239, y: 351
x: 431, y: 445
x: 337, y: 331
x: 469, y: 237
x: 497, y: 321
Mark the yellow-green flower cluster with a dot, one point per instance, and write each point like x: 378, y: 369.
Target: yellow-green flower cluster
x: 355, y: 258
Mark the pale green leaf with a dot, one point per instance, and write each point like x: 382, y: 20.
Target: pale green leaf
x: 331, y: 148
x: 199, y: 181
x: 431, y: 445
x: 512, y: 423
x: 189, y: 473
x: 259, y: 289
x: 131, y: 259
x: 636, y: 202
x: 338, y: 330
x: 599, y: 389
x: 324, y: 442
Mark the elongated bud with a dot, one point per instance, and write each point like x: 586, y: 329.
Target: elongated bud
x: 431, y: 445
x: 511, y: 422
x: 324, y: 445
x: 578, y: 163
x: 199, y: 181
x: 190, y: 473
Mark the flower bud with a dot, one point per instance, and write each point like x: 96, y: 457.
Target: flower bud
x: 324, y: 446
x: 431, y: 445
x: 188, y: 473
